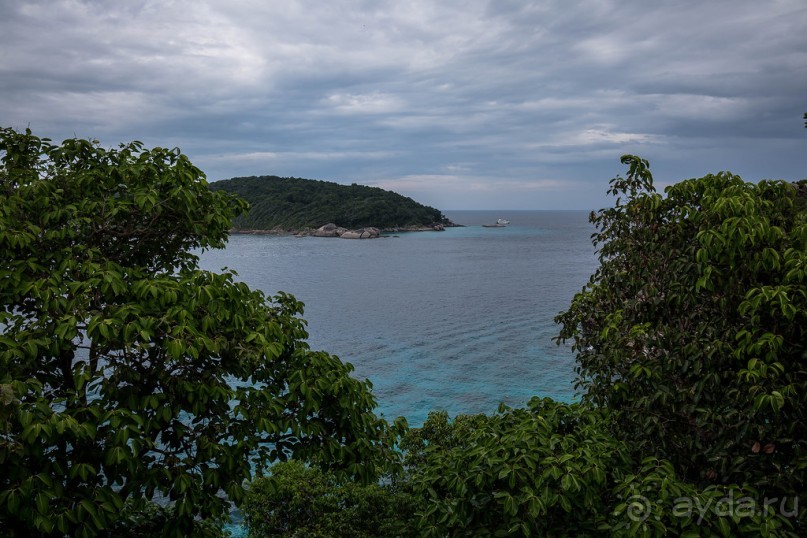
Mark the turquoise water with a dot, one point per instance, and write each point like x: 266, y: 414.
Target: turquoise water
x: 459, y: 320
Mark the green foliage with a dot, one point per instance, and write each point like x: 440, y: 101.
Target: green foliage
x: 801, y: 195
x: 298, y: 501
x: 126, y: 372
x: 558, y: 470
x: 692, y: 330
x: 530, y: 471
x: 294, y: 203
x: 438, y: 434
x: 654, y: 501
x: 140, y: 518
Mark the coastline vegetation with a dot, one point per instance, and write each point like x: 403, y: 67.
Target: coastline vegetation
x: 140, y: 395
x: 128, y: 375
x: 298, y: 204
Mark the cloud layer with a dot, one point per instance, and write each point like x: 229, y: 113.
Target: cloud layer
x: 459, y: 104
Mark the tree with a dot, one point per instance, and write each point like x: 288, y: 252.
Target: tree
x: 127, y: 374
x: 300, y: 501
x: 525, y: 472
x: 553, y: 469
x: 692, y: 330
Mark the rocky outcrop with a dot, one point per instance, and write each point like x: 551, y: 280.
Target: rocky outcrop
x: 434, y: 227
x: 329, y: 230
x: 332, y: 230
x: 362, y: 233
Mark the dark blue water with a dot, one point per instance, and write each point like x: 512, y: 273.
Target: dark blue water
x: 457, y: 320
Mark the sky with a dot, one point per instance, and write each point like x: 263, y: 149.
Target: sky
x: 459, y: 104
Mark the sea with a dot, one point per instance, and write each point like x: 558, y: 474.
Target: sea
x: 459, y: 320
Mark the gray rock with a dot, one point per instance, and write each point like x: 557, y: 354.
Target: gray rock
x: 329, y: 230
x: 332, y: 230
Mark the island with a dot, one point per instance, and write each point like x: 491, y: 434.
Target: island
x: 290, y: 205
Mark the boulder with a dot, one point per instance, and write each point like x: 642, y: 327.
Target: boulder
x: 362, y: 233
x: 329, y: 230
x: 370, y: 233
x: 332, y: 230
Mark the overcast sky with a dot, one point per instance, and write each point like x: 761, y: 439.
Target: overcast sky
x: 459, y: 104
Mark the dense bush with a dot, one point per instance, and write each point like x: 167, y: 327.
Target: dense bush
x: 553, y: 469
x: 141, y: 518
x: 549, y: 469
x: 300, y: 501
x: 529, y: 471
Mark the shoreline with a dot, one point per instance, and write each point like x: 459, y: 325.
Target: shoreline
x: 309, y: 232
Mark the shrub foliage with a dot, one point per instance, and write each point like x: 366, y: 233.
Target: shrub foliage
x: 295, y: 500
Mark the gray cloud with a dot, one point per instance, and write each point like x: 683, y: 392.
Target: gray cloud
x: 505, y: 104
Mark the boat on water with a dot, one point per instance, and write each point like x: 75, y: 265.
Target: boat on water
x: 501, y: 223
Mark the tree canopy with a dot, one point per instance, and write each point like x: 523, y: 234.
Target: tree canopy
x: 296, y: 204
x: 693, y: 327
x: 129, y: 375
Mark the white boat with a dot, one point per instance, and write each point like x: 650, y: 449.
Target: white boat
x: 501, y: 223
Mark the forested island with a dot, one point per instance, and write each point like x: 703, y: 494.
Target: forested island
x: 295, y: 204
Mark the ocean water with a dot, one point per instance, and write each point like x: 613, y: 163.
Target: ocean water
x: 459, y: 320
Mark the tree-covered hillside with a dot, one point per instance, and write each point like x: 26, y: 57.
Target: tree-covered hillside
x: 296, y: 203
